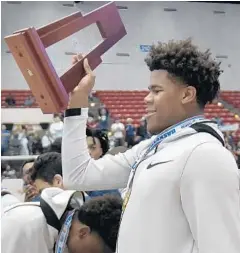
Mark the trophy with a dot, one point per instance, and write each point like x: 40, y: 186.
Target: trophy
x: 28, y: 49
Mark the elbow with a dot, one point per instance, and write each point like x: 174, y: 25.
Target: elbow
x: 74, y: 176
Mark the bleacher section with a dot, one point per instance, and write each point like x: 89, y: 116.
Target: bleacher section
x: 231, y: 97
x: 130, y: 104
x: 19, y: 96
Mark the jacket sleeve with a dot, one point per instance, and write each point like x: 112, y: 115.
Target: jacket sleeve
x: 80, y: 171
x: 210, y: 197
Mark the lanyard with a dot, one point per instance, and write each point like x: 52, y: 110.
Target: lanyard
x: 63, y: 235
x: 159, y: 139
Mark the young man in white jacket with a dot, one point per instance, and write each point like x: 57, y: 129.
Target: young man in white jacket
x: 72, y: 226
x: 183, y: 184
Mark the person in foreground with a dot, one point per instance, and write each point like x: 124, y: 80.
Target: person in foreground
x: 86, y: 227
x: 182, y: 184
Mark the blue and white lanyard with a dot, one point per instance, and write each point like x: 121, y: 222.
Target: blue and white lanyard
x: 63, y: 235
x: 162, y: 136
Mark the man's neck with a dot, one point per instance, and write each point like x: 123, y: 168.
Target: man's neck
x: 182, y: 118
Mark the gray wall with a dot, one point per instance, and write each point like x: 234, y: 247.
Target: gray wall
x: 146, y: 22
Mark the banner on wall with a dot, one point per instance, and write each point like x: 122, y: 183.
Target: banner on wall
x: 145, y: 48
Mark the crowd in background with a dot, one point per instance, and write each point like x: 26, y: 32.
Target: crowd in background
x: 34, y: 140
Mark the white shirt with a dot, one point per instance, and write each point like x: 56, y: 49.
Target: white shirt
x: 46, y: 142
x: 188, y: 203
x: 56, y: 129
x: 24, y: 227
x: 117, y: 129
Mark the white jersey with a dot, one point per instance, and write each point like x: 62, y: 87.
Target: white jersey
x: 24, y: 227
x: 185, y: 196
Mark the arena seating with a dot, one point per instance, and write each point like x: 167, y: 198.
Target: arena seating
x: 19, y: 96
x: 231, y: 97
x: 130, y: 104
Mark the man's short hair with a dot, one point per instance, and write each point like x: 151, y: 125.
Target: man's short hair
x: 46, y: 166
x: 184, y: 61
x: 102, y: 215
x: 101, y: 136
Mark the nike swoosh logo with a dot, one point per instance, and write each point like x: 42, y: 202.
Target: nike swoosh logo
x: 155, y: 164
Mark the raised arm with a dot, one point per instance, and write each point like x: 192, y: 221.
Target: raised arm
x: 80, y: 171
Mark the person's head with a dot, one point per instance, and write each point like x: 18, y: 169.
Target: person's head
x: 4, y: 127
x: 47, y: 171
x: 25, y: 169
x: 56, y: 118
x: 129, y: 121
x: 183, y: 80
x: 95, y: 226
x: 103, y: 112
x: 117, y: 119
x: 142, y: 121
x: 98, y: 144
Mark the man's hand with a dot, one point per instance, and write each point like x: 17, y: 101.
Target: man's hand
x: 79, y: 97
x: 31, y: 192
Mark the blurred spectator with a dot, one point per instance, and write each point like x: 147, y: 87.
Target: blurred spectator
x: 142, y: 133
x: 229, y: 139
x: 24, y: 143
x: 130, y: 133
x: 30, y: 100
x: 56, y: 128
x: 218, y: 120
x: 5, y: 136
x: 10, y: 100
x: 56, y: 146
x: 37, y: 148
x: 14, y: 144
x: 103, y: 119
x: 9, y: 172
x: 98, y: 146
x: 118, y: 131
x: 92, y: 123
x: 46, y: 141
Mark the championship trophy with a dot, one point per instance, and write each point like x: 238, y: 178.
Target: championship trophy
x: 28, y: 49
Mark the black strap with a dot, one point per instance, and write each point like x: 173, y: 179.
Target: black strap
x: 50, y: 215
x: 203, y: 128
x: 73, y: 112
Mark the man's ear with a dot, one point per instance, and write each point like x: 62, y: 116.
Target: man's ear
x: 58, y: 180
x: 84, y: 231
x: 189, y: 95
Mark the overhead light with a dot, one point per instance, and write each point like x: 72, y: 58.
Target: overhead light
x: 92, y: 104
x: 219, y: 104
x: 236, y: 116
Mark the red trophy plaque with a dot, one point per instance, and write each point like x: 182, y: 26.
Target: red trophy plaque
x: 28, y: 49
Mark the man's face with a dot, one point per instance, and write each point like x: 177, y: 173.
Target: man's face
x: 26, y: 176
x: 94, y: 147
x: 164, y: 102
x: 82, y: 240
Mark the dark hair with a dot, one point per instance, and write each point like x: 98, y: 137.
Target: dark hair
x: 26, y: 162
x: 102, y: 215
x: 102, y: 136
x: 183, y: 60
x: 46, y: 166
